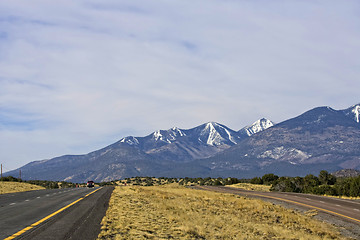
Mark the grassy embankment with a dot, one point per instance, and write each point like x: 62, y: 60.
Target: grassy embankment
x: 11, y: 187
x: 251, y: 187
x: 173, y: 211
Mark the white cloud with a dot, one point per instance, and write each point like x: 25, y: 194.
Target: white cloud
x: 77, y: 75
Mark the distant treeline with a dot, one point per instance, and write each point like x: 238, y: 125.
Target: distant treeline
x: 211, y: 181
x: 43, y: 183
x: 324, y: 184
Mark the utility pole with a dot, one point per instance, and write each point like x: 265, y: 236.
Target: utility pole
x: 20, y: 173
x: 1, y: 170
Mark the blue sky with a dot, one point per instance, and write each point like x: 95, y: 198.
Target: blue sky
x: 76, y: 76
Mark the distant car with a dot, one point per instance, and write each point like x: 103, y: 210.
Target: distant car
x: 90, y: 184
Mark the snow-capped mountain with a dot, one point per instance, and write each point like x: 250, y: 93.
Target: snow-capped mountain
x: 182, y: 145
x: 130, y: 140
x: 211, y: 134
x: 135, y: 156
x: 258, y: 126
x: 214, y: 134
x: 155, y: 139
x: 319, y: 139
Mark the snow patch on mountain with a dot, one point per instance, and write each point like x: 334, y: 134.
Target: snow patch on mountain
x: 157, y: 135
x: 130, y: 140
x: 258, y: 126
x: 230, y: 136
x: 168, y: 136
x: 212, y: 135
x: 178, y: 131
x: 353, y: 112
x: 289, y: 154
x: 356, y: 112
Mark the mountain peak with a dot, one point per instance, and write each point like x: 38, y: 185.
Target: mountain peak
x: 215, y: 134
x: 130, y: 140
x: 167, y: 136
x: 258, y: 126
x: 212, y: 124
x: 211, y: 134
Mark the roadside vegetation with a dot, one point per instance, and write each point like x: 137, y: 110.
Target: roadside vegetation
x: 12, y: 187
x: 174, y: 211
x: 324, y: 184
x: 146, y: 181
x: 43, y: 183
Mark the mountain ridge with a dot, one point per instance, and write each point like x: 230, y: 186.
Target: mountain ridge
x: 132, y: 156
x: 319, y: 139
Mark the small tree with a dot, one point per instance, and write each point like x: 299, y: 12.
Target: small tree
x: 355, y: 187
x: 269, y: 178
x: 256, y: 180
x: 326, y: 178
x: 310, y: 181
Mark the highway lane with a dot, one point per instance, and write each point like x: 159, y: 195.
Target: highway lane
x: 346, y: 209
x: 20, y: 210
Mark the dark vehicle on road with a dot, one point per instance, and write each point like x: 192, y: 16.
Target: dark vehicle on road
x: 90, y: 184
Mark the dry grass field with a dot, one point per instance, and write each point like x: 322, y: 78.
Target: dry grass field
x: 343, y: 197
x: 10, y: 187
x: 175, y: 212
x: 252, y: 187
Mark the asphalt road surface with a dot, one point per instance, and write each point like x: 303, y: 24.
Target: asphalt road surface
x: 72, y: 213
x: 348, y: 210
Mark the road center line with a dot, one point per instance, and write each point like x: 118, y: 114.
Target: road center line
x: 47, y: 217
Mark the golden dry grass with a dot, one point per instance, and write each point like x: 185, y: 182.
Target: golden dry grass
x: 252, y: 187
x: 11, y: 187
x: 343, y: 197
x: 176, y: 212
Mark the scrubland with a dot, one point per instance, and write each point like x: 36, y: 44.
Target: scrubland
x: 10, y: 187
x: 176, y: 212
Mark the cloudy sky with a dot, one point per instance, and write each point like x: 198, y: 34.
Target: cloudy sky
x: 78, y: 75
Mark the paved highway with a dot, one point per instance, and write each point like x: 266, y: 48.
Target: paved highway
x: 346, y: 209
x: 29, y: 211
